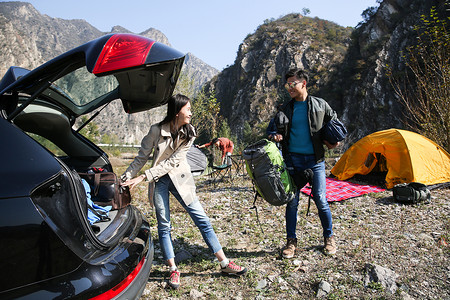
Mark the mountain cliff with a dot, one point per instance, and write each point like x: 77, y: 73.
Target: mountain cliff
x: 364, y: 95
x: 346, y: 65
x: 29, y: 38
x: 250, y: 89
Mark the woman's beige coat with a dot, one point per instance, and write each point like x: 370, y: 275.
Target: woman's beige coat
x: 169, y: 157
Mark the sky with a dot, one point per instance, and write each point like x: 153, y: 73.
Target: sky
x: 209, y: 29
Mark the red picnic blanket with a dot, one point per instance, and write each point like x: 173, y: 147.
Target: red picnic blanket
x: 338, y: 190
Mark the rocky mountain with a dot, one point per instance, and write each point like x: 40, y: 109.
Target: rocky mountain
x: 198, y: 70
x: 347, y: 67
x: 250, y: 89
x: 29, y: 38
x: 364, y: 95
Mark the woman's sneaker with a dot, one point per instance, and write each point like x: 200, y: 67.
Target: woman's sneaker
x: 233, y: 269
x: 174, y: 279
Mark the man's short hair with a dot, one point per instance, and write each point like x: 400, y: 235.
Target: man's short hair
x: 214, y: 140
x: 299, y: 73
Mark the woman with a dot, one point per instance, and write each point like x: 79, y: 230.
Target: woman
x: 170, y: 171
x: 225, y: 145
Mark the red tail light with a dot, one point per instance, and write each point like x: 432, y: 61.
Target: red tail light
x: 123, y: 51
x: 121, y: 286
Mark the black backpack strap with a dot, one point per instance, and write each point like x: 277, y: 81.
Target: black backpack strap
x: 309, y: 203
x: 252, y: 167
x: 256, y: 209
x: 310, y: 181
x: 103, y: 216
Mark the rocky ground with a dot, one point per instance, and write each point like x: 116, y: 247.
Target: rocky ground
x: 386, y: 250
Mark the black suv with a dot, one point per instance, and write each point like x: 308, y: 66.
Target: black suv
x: 48, y: 248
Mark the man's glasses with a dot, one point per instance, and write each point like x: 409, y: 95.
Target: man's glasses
x: 291, y: 85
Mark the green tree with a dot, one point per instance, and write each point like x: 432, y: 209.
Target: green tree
x: 252, y: 134
x: 90, y: 131
x: 368, y: 13
x: 247, y: 137
x: 205, y: 109
x: 224, y: 129
x: 112, y: 139
x: 185, y: 85
x: 306, y: 11
x: 106, y: 139
x: 424, y: 90
x: 205, y: 115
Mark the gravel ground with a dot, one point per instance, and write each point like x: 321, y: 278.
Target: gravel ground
x: 409, y: 240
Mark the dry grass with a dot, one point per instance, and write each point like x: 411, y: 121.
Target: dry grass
x: 410, y: 240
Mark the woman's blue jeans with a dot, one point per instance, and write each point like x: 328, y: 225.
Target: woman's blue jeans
x: 195, y: 210
x: 297, y: 163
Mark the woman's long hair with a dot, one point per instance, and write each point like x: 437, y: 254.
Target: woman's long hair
x: 174, y: 105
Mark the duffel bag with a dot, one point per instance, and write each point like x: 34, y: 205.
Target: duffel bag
x: 413, y: 192
x: 106, y: 189
x: 334, y: 131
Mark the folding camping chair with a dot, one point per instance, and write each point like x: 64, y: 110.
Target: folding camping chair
x: 219, y: 172
x: 239, y: 164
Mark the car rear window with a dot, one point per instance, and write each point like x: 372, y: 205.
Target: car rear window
x: 83, y: 87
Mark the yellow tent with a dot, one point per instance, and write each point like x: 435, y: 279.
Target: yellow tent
x: 405, y: 155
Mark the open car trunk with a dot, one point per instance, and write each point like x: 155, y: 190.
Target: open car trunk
x: 77, y: 156
x: 46, y: 102
x: 49, y: 246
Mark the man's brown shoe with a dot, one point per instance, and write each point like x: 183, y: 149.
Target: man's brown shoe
x: 330, y: 245
x: 289, y: 249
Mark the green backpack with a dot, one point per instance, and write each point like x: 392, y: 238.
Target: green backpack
x: 267, y: 169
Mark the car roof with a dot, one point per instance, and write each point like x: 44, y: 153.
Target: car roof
x: 146, y: 73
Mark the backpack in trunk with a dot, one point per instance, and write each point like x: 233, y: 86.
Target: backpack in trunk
x: 266, y: 167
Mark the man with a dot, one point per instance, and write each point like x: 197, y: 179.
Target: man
x: 303, y: 149
x: 225, y: 145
